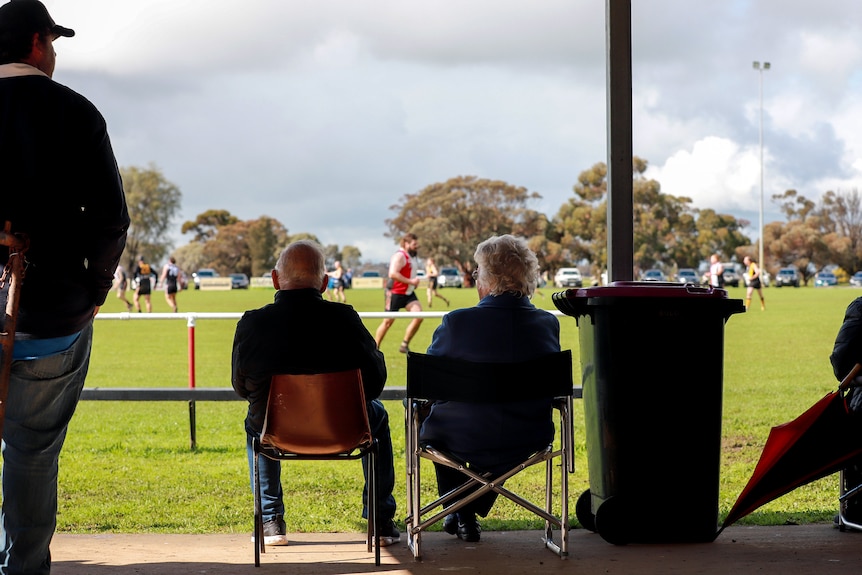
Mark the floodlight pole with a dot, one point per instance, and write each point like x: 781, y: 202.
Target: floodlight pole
x: 760, y: 69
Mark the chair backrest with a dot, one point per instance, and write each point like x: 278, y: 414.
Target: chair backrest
x: 443, y: 378
x: 318, y: 414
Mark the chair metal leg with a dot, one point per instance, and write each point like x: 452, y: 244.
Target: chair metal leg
x: 421, y: 517
x: 373, y: 507
x: 844, y: 496
x: 414, y: 532
x: 371, y: 519
x: 258, y: 517
x: 564, y: 494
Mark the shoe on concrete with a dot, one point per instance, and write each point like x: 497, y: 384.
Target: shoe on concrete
x: 450, y: 524
x: 468, y: 528
x: 274, y: 531
x: 389, y: 534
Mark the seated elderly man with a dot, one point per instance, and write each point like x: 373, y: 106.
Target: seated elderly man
x: 503, y: 327
x: 846, y: 353
x: 302, y: 333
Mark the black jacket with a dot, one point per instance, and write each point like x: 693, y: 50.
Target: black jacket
x: 61, y: 187
x: 847, y: 351
x: 300, y: 333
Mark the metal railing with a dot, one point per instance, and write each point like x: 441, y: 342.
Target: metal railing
x: 192, y: 393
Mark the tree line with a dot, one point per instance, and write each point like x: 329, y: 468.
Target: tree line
x: 451, y: 217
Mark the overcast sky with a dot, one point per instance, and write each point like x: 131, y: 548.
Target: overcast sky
x: 323, y: 113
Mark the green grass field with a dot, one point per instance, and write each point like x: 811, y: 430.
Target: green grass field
x: 127, y: 466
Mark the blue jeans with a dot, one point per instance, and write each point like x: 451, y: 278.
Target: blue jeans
x: 43, y: 394
x: 272, y: 496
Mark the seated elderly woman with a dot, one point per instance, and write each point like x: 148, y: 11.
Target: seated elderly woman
x: 503, y: 327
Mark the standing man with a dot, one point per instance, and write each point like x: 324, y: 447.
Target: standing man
x: 716, y: 272
x: 431, y: 274
x: 752, y: 274
x: 170, y: 279
x: 402, y: 273
x: 62, y: 189
x: 297, y: 334
x: 146, y: 277
x: 121, y: 282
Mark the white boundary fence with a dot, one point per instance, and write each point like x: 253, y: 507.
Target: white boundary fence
x: 192, y: 393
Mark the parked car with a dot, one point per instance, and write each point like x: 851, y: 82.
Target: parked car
x: 239, y: 281
x: 654, y: 275
x: 687, y: 276
x: 371, y: 274
x: 730, y: 275
x: 568, y: 277
x: 856, y: 280
x: 203, y: 273
x: 825, y: 279
x: 787, y: 277
x: 449, y: 277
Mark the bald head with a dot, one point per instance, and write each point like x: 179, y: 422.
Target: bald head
x: 301, y: 265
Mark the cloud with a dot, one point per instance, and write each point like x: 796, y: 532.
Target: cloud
x: 324, y: 114
x: 716, y: 173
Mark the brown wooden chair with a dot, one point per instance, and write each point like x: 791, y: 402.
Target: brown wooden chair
x: 314, y: 417
x: 441, y: 378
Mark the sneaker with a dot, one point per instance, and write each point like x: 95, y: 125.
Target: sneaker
x: 403, y: 348
x: 468, y: 528
x: 389, y: 534
x: 274, y: 531
x: 450, y: 524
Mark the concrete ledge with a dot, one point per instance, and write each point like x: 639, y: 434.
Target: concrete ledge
x: 789, y: 550
x: 203, y: 394
x: 186, y: 394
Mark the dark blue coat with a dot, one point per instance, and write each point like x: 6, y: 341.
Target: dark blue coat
x: 502, y: 328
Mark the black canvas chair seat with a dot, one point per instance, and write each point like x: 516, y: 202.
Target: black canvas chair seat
x: 435, y: 378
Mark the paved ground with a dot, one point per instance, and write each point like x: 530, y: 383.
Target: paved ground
x: 739, y: 550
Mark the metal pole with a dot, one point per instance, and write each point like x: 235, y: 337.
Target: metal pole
x: 619, y: 99
x: 191, y: 325
x: 760, y: 71
x: 193, y: 435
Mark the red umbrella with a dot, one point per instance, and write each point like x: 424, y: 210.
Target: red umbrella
x: 820, y: 442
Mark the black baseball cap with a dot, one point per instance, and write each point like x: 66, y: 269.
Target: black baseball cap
x: 30, y: 16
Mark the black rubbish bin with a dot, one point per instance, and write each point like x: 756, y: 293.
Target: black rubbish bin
x: 652, y: 357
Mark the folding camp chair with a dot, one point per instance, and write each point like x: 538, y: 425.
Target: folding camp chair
x: 317, y: 417
x: 849, y: 503
x: 431, y: 378
x: 850, y: 477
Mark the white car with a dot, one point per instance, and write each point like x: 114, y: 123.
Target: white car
x: 568, y: 277
x: 449, y: 277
